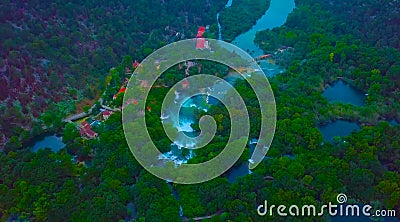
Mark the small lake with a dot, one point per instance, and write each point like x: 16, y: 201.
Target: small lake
x: 338, y: 128
x: 53, y: 142
x: 342, y: 92
x: 234, y: 173
x: 131, y: 212
x: 393, y: 122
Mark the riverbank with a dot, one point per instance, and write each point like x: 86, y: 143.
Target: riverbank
x: 240, y: 17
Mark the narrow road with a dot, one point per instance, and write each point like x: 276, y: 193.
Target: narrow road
x: 204, y: 217
x: 75, y: 117
x: 109, y: 108
x: 83, y: 114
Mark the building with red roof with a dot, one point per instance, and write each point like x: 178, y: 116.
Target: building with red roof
x: 135, y: 64
x: 200, y: 31
x: 201, y: 42
x: 86, y: 130
x: 107, y: 114
x: 121, y: 90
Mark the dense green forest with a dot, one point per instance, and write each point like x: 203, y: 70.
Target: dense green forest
x: 324, y: 51
x: 328, y: 43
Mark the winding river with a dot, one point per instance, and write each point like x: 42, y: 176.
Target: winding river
x: 228, y: 4
x: 275, y: 16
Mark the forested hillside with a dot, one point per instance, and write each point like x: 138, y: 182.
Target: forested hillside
x: 53, y: 51
x: 375, y: 22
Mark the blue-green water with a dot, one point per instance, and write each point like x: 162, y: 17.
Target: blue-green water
x: 341, y: 92
x: 338, y: 128
x: 393, y: 122
x: 52, y: 142
x: 236, y: 172
x: 242, y: 170
x: 275, y: 16
x: 344, y: 93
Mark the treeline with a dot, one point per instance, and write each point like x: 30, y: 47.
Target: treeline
x: 374, y: 22
x: 351, y: 164
x: 322, y: 54
x: 48, y: 186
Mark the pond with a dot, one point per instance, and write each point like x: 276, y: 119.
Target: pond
x: 342, y: 92
x: 394, y: 122
x: 338, y: 128
x: 131, y: 212
x: 242, y: 170
x: 53, y: 142
x: 235, y: 173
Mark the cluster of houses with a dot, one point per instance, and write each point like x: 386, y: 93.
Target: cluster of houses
x: 85, y: 128
x: 135, y: 64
